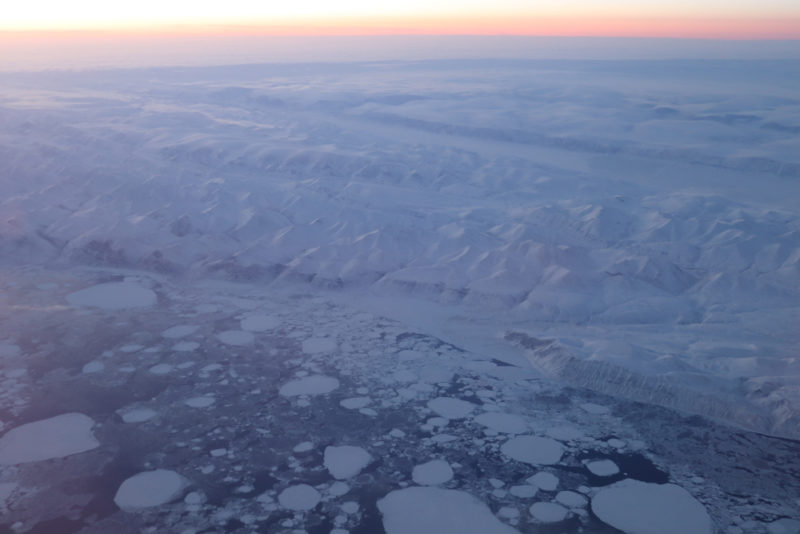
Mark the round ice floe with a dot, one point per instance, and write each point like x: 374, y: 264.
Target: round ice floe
x: 502, y: 422
x: 432, y: 473
x: 186, y: 346
x: 93, y: 367
x: 200, y: 402
x: 160, y: 369
x: 300, y: 497
x: 182, y: 330
x: 350, y: 507
x: 533, y: 450
x: 316, y: 345
x: 150, y: 488
x: 602, y: 468
x: 451, y: 408
x: 303, y: 447
x: 338, y: 488
x: 345, y: 461
x: 236, y: 338
x: 136, y: 415
x: 571, y: 499
x: 642, y: 508
x: 259, y: 323
x: 523, y: 492
x: 564, y: 433
x: 355, y: 403
x: 548, y: 512
x: 113, y: 296
x: 544, y: 481
x: 429, y: 510
x: 56, y: 437
x: 309, y: 385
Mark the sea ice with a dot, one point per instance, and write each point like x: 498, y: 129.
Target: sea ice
x: 338, y: 488
x: 236, y: 338
x: 259, y: 323
x: 305, y: 446
x: 548, y: 512
x: 160, y: 369
x: 200, y: 402
x: 136, y: 415
x: 56, y: 437
x: 149, y: 488
x: 317, y: 345
x: 113, y: 296
x: 564, y: 433
x: 533, y: 450
x: 502, y: 422
x: 451, y: 408
x: 300, y: 497
x: 345, y: 461
x: 309, y: 385
x: 523, y: 492
x: 354, y: 403
x: 602, y: 468
x: 179, y: 331
x: 93, y: 367
x: 544, y: 481
x: 431, y: 510
x: 432, y: 473
x: 571, y: 499
x: 186, y: 346
x: 643, y: 508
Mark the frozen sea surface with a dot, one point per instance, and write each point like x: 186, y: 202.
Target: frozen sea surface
x: 214, y: 445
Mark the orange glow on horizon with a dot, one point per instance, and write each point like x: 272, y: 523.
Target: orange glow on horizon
x: 653, y: 27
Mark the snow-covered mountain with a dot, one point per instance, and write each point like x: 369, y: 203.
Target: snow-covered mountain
x: 645, y: 211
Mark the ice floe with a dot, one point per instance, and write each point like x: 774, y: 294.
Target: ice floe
x: 432, y: 473
x: 113, y: 296
x: 318, y: 345
x: 431, y: 510
x: 451, y: 408
x: 571, y: 499
x: 644, y: 508
x: 544, y: 481
x: 533, y: 450
x: 299, y: 497
x: 186, y: 346
x: 345, y: 461
x: 602, y: 468
x: 200, y: 402
x: 179, y: 331
x: 55, y: 437
x: 259, y: 323
x: 134, y: 414
x: 149, y: 488
x: 236, y: 338
x: 93, y: 367
x: 548, y: 512
x: 502, y: 422
x: 309, y: 385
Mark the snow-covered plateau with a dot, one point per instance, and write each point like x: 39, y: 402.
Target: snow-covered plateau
x: 401, y: 297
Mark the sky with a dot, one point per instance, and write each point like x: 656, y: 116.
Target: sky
x: 712, y: 19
